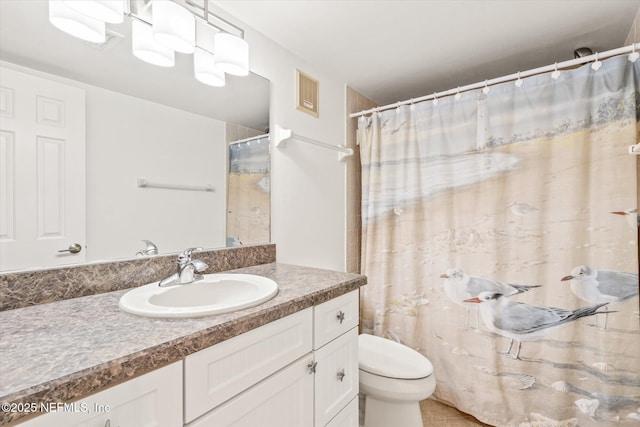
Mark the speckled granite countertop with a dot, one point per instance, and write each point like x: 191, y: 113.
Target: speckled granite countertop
x: 62, y: 351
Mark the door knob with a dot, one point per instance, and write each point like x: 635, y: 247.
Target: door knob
x: 341, y: 375
x: 340, y: 316
x: 73, y: 248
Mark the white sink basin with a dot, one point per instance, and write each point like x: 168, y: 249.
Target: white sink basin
x: 214, y: 294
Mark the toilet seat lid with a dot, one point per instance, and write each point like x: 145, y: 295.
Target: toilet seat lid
x: 390, y: 359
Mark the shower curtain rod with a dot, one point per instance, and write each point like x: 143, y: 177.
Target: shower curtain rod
x: 253, y: 138
x: 521, y: 74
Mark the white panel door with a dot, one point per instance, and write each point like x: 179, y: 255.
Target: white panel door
x: 42, y: 171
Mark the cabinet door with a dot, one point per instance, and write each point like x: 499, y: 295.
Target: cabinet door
x: 151, y: 400
x: 216, y: 374
x: 336, y: 376
x: 285, y: 399
x: 348, y: 417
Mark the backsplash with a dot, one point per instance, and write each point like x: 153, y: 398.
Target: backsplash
x: 23, y: 289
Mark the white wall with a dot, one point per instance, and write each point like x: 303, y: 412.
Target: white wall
x: 130, y: 138
x: 634, y: 31
x: 307, y: 183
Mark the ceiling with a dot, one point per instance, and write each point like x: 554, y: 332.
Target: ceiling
x: 395, y: 50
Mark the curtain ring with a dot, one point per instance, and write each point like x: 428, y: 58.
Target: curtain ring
x: 486, y: 88
x: 519, y: 80
x: 458, y: 94
x: 597, y: 64
x: 555, y: 73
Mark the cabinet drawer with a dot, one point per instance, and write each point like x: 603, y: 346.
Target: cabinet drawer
x: 334, y: 318
x: 348, y: 417
x: 216, y: 374
x: 285, y: 399
x: 150, y: 400
x: 336, y: 376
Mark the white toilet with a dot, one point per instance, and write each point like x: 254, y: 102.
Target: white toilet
x: 393, y: 378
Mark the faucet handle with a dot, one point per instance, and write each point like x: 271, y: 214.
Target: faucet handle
x: 199, y: 266
x: 186, y: 254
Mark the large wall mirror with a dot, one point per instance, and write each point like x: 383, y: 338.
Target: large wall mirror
x: 141, y: 125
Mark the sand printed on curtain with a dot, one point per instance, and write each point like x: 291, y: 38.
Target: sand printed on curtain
x: 500, y: 241
x: 248, y: 195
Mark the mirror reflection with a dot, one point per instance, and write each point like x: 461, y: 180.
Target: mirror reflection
x: 249, y: 184
x: 136, y: 124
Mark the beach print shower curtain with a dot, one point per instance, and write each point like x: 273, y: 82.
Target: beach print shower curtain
x: 500, y: 241
x: 248, y: 192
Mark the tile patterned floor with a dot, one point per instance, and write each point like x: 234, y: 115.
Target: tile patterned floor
x: 436, y: 414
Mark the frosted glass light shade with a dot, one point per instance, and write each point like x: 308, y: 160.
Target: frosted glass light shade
x: 174, y: 26
x: 111, y: 11
x: 75, y: 23
x: 147, y: 48
x: 232, y: 54
x: 205, y: 69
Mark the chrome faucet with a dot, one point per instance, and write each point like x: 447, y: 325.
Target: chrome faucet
x: 150, y: 249
x: 188, y: 269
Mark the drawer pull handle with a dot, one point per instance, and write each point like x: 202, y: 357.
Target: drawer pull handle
x: 312, y: 367
x: 341, y: 375
x: 107, y: 424
x: 340, y: 316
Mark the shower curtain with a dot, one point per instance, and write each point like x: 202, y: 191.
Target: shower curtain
x: 500, y: 241
x: 248, y: 195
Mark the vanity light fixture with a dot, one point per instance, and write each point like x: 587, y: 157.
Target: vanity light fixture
x: 173, y: 26
x: 147, y: 48
x: 111, y: 11
x: 205, y: 69
x: 232, y: 54
x: 159, y: 29
x: 75, y: 23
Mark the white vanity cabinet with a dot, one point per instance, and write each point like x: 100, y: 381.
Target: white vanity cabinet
x: 348, y: 417
x: 298, y: 371
x: 150, y: 400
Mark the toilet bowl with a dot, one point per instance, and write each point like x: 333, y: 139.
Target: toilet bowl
x: 393, y: 378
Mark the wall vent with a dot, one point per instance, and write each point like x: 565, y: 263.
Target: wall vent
x: 308, y: 91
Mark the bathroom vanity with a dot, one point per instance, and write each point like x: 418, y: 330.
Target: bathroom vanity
x: 291, y: 361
